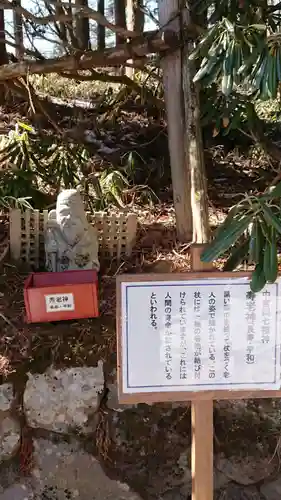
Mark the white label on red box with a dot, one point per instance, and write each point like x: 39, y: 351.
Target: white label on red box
x: 59, y: 302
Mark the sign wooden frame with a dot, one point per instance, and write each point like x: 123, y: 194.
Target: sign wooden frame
x: 157, y: 397
x: 201, y: 402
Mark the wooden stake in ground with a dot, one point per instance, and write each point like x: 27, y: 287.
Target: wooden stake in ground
x: 201, y: 423
x: 193, y: 143
x: 172, y: 80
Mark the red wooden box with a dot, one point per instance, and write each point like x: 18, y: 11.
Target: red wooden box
x: 61, y: 296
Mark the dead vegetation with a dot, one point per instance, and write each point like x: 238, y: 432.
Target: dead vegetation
x: 34, y: 347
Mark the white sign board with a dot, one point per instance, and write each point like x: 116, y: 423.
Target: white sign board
x: 199, y: 334
x: 58, y: 302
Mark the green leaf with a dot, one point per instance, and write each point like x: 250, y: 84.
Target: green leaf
x: 26, y: 127
x: 205, y: 70
x: 270, y: 262
x: 237, y: 256
x: 216, y: 48
x: 228, y: 238
x: 272, y: 81
x: 228, y: 63
x: 278, y: 64
x: 273, y: 192
x: 257, y: 241
x: 225, y: 226
x: 249, y: 62
x: 258, y: 27
x: 258, y: 280
x: 271, y: 218
x: 265, y: 227
x: 229, y: 25
x: 264, y: 94
x: 260, y: 73
x: 204, y: 43
x: 227, y: 84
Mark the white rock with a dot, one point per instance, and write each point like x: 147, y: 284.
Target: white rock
x: 6, y: 396
x: 9, y: 436
x: 60, y: 400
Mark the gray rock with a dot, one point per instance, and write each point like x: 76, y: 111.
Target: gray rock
x: 220, y: 480
x: 17, y: 492
x: 272, y: 491
x: 6, y: 396
x: 112, y: 399
x: 236, y: 492
x: 245, y: 470
x: 112, y: 402
x: 61, y: 400
x: 9, y: 436
x: 64, y: 471
x: 173, y: 494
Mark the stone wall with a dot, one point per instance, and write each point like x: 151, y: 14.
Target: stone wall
x: 63, y: 435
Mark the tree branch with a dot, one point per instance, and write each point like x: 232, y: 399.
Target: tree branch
x: 83, y: 11
x: 29, y: 52
x: 123, y: 80
x: 110, y: 57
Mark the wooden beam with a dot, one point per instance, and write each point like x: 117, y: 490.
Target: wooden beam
x: 172, y: 78
x: 115, y: 56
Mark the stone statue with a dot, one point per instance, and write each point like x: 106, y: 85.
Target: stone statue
x: 70, y: 241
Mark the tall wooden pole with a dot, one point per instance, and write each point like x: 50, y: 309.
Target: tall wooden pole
x: 18, y: 32
x: 100, y: 28
x: 82, y: 27
x: 194, y: 149
x: 201, y: 422
x: 189, y: 189
x: 3, y: 52
x: 172, y: 78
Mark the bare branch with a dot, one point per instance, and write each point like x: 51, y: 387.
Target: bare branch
x: 110, y: 57
x: 122, y: 79
x: 29, y: 52
x: 31, y: 41
x: 83, y: 11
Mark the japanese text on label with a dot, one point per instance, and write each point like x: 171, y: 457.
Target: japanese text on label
x: 59, y: 302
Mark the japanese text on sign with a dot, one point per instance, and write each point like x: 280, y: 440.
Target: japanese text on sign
x: 199, y: 334
x: 59, y: 302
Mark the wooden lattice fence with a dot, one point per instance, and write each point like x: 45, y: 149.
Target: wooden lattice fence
x: 117, y: 234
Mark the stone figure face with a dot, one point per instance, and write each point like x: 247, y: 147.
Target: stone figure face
x: 70, y: 225
x: 71, y: 216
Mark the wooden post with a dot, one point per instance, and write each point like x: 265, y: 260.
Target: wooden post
x: 172, y: 81
x: 15, y: 233
x: 202, y: 423
x: 18, y: 32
